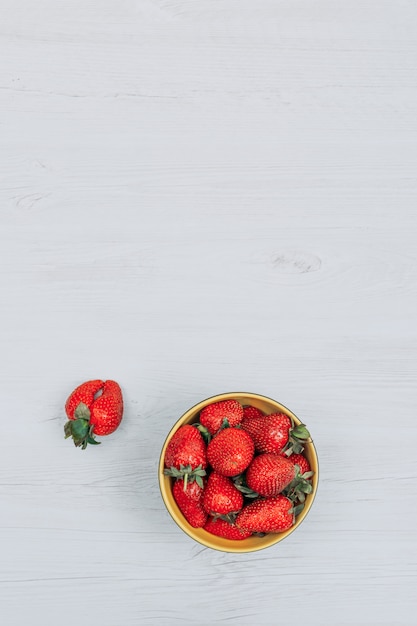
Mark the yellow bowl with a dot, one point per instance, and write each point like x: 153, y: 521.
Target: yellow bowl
x: 267, y: 405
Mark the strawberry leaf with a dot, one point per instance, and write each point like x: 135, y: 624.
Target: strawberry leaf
x: 68, y: 429
x: 298, y: 487
x: 230, y: 518
x: 300, y: 432
x: 79, y: 428
x: 82, y: 412
x: 93, y: 441
x: 187, y: 473
x: 298, y: 437
x: 205, y: 433
x: 240, y: 484
x: 297, y: 447
x: 298, y: 509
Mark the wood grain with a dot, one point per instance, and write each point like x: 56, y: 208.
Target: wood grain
x: 200, y: 197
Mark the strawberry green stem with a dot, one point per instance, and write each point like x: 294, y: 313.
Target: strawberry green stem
x: 187, y: 474
x: 205, y: 433
x: 298, y: 436
x: 80, y: 428
x: 299, y: 487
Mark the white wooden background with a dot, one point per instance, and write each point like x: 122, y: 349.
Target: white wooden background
x: 201, y: 196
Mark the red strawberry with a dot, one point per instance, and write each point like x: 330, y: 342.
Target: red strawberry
x: 269, y: 474
x: 251, y: 411
x: 84, y: 393
x: 301, y: 461
x: 230, y: 452
x: 186, y: 447
x: 212, y: 415
x: 273, y: 515
x: 221, y: 496
x: 107, y: 409
x: 221, y: 528
x: 91, y: 414
x: 270, y: 432
x: 185, y: 454
x: 189, y: 497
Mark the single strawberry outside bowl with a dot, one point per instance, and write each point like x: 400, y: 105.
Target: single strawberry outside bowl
x: 253, y: 543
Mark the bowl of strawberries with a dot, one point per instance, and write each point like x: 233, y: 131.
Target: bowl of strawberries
x: 238, y: 472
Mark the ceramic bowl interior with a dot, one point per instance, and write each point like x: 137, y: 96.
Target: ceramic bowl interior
x: 251, y: 544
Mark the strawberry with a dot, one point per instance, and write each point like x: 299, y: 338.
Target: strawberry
x: 221, y: 528
x: 270, y: 432
x: 251, y: 411
x: 185, y: 454
x: 83, y: 393
x: 189, y: 497
x: 107, y: 409
x: 230, y: 452
x: 213, y: 415
x: 269, y: 474
x: 301, y: 461
x: 92, y: 414
x: 275, y: 433
x: 221, y: 496
x: 273, y: 515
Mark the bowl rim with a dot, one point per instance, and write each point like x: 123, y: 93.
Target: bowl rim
x: 211, y: 542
